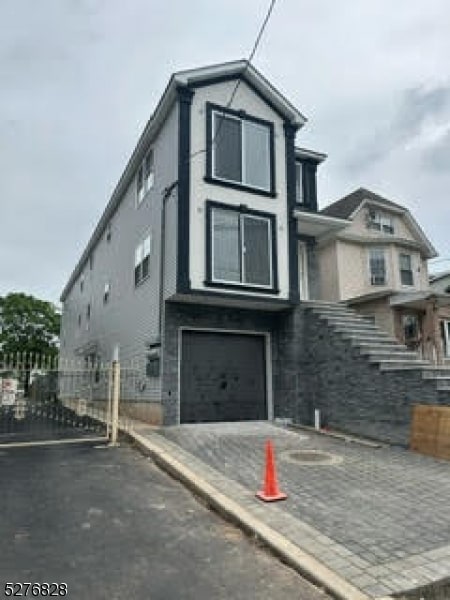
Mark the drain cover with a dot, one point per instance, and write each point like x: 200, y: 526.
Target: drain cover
x: 312, y: 457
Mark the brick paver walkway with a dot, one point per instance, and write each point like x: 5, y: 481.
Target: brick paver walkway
x: 379, y: 517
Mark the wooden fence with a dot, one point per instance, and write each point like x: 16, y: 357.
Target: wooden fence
x: 430, y: 430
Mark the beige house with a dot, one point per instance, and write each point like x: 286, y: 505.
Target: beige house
x: 440, y: 284
x: 378, y: 265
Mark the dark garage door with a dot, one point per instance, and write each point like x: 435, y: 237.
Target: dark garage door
x: 223, y: 377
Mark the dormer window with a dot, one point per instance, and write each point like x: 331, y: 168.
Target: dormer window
x: 299, y: 183
x: 145, y: 176
x: 380, y: 221
x: 240, y: 150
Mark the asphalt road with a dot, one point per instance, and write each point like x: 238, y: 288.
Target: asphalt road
x: 112, y: 526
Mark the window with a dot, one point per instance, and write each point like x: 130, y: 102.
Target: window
x: 377, y: 265
x: 79, y: 320
x: 145, y: 176
x: 88, y: 315
x: 108, y: 232
x: 406, y: 274
x: 241, y: 150
x: 142, y: 260
x: 380, y: 222
x: 240, y: 248
x: 91, y: 262
x: 82, y: 282
x: 411, y: 328
x: 445, y: 331
x: 106, y: 292
x: 299, y: 182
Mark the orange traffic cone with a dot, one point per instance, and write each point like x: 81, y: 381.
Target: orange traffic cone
x: 271, y: 492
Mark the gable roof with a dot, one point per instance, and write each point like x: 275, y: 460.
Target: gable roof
x: 346, y: 207
x: 438, y: 276
x: 192, y: 78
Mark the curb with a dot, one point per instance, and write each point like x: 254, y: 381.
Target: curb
x: 288, y: 552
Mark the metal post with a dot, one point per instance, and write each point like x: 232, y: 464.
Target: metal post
x: 115, y: 397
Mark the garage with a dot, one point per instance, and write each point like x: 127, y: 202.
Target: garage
x: 223, y: 377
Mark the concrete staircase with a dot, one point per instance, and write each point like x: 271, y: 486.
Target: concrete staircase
x: 374, y: 345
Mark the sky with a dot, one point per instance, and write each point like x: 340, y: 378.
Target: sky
x: 80, y: 78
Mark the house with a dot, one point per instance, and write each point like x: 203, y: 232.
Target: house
x: 377, y: 264
x: 207, y: 240
x: 207, y: 264
x: 440, y: 284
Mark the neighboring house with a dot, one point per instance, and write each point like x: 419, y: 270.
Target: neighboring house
x: 204, y: 249
x: 440, y: 284
x: 377, y: 264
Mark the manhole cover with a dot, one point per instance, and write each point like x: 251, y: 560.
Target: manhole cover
x: 311, y: 457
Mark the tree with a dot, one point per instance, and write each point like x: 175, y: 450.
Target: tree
x: 28, y: 326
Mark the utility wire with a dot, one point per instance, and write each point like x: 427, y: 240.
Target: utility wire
x: 241, y: 74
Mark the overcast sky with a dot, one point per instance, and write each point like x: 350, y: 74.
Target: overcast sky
x: 80, y: 78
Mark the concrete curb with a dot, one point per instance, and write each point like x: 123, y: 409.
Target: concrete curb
x: 290, y: 553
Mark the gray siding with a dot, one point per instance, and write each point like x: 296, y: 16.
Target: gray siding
x: 170, y: 247
x: 131, y: 317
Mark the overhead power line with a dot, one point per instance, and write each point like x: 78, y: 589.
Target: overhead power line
x: 241, y: 74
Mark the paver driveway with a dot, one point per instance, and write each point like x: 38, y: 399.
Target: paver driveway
x: 382, y: 514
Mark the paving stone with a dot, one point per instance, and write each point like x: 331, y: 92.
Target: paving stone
x: 360, y: 515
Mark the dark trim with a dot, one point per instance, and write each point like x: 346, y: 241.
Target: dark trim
x: 238, y: 286
x: 309, y: 240
x: 230, y: 77
x: 244, y: 210
x: 291, y: 198
x: 207, y: 294
x: 184, y: 149
x: 239, y: 186
x: 241, y: 114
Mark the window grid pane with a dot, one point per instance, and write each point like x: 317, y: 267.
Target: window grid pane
x: 227, y: 148
x: 226, y: 243
x: 256, y: 154
x: 256, y: 251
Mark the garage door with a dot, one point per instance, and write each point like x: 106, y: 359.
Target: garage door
x: 223, y: 377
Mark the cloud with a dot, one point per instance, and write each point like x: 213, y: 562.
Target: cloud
x: 420, y: 111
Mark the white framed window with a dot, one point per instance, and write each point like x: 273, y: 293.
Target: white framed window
x: 299, y: 182
x: 406, y: 272
x: 106, y: 292
x: 142, y: 260
x: 81, y: 282
x: 446, y: 337
x: 380, y: 221
x: 145, y: 176
x: 241, y: 248
x: 241, y: 150
x: 377, y: 266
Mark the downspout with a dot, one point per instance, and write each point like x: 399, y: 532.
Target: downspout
x: 166, y: 194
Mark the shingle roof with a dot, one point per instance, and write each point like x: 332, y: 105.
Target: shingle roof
x: 347, y: 205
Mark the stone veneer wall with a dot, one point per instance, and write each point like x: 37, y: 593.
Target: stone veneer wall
x: 200, y: 316
x: 319, y: 369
